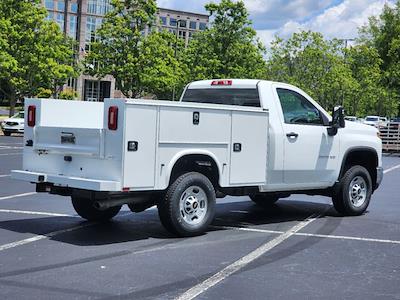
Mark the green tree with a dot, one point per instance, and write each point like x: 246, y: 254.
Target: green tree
x: 314, y: 64
x: 140, y: 64
x: 229, y: 48
x: 383, y: 33
x: 371, y: 97
x: 34, y: 52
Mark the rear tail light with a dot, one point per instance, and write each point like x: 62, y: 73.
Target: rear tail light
x: 113, y: 117
x: 31, y: 115
x: 221, y: 82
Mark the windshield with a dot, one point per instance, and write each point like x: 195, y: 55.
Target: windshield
x: 372, y: 119
x: 19, y: 115
x: 242, y: 97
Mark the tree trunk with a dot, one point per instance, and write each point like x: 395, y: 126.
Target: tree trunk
x: 13, y: 100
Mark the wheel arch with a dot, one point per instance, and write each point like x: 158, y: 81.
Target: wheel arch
x: 185, y: 160
x: 363, y: 156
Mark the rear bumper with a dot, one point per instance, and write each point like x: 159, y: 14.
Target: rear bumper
x: 379, y: 177
x: 67, y: 181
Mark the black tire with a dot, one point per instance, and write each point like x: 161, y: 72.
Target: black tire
x: 6, y: 133
x: 343, y: 201
x: 85, y: 208
x: 169, y: 209
x: 264, y: 200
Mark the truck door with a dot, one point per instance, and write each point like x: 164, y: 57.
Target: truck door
x: 310, y: 154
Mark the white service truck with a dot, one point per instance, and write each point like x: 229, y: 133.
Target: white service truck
x: 263, y: 139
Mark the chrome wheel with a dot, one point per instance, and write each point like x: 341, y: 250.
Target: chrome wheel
x: 358, y: 191
x: 193, y: 205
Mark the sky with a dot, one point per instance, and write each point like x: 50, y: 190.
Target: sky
x: 334, y: 18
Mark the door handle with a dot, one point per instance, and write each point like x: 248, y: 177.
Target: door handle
x: 292, y: 135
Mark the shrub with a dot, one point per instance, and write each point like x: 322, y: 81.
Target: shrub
x: 44, y: 93
x: 68, y: 94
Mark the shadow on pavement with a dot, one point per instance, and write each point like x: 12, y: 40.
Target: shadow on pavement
x: 128, y: 227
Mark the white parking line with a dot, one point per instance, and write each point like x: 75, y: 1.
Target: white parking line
x: 12, y: 144
x: 18, y: 195
x: 338, y: 237
x: 26, y: 212
x: 2, y: 176
x: 16, y: 153
x: 244, y: 261
x: 391, y: 169
x: 41, y: 237
x: 10, y: 147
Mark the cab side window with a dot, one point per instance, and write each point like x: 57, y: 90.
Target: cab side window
x: 297, y: 109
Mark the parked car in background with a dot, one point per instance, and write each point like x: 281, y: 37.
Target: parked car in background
x: 351, y: 118
x: 383, y: 122
x: 395, y: 120
x: 15, y: 124
x: 372, y: 121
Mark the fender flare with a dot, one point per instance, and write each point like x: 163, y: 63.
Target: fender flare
x: 187, y: 152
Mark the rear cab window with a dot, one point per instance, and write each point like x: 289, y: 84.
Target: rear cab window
x: 227, y: 96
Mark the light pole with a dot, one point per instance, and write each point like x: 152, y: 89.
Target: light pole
x: 346, y: 43
x: 175, y: 54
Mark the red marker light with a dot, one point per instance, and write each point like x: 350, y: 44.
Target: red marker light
x: 31, y: 115
x: 221, y: 82
x: 113, y: 117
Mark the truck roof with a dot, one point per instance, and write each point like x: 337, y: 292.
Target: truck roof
x: 226, y: 83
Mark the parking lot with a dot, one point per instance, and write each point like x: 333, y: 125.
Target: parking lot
x: 299, y: 248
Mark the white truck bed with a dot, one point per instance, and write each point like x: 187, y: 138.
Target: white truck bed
x: 164, y: 131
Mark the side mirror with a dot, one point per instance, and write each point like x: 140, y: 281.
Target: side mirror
x: 337, y: 120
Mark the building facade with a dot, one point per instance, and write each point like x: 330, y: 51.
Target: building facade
x: 79, y: 19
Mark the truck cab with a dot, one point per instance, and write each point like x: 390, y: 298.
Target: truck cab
x: 263, y: 139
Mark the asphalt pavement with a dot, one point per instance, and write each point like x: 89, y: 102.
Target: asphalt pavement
x: 299, y: 248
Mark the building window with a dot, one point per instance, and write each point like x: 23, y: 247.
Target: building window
x: 72, y: 83
x: 182, y: 23
x: 193, y: 25
x: 74, y: 7
x: 73, y: 26
x: 203, y: 26
x: 98, y: 7
x: 50, y: 16
x: 96, y: 90
x: 163, y: 20
x: 92, y: 24
x: 173, y: 31
x: 60, y: 20
x: 172, y: 22
x: 182, y: 34
x: 49, y: 4
x: 61, y: 5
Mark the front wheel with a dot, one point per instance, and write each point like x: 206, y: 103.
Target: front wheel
x: 354, y: 192
x: 85, y: 208
x: 6, y: 133
x: 189, y: 205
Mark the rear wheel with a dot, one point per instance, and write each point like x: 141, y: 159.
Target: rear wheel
x: 188, y: 206
x: 85, y: 208
x: 264, y: 200
x: 354, y: 192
